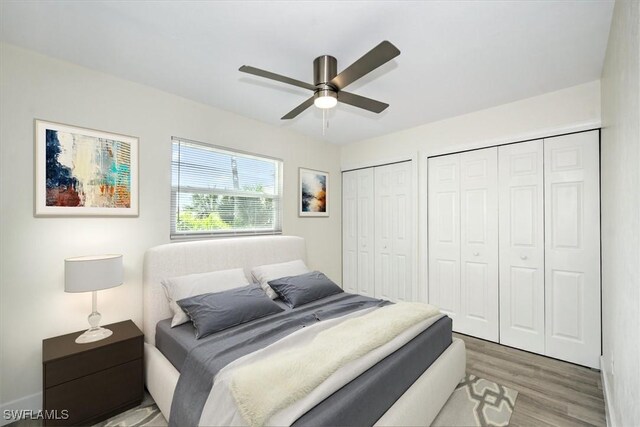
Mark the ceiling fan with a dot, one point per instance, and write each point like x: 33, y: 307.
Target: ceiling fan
x: 328, y: 85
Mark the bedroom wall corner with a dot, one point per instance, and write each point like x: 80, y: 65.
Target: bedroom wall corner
x: 620, y: 175
x: 33, y: 304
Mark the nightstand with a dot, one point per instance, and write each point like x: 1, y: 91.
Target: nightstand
x: 96, y: 380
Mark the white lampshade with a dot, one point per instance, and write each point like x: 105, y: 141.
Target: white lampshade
x: 92, y: 273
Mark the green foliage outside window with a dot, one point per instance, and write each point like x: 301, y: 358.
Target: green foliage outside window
x: 210, y: 212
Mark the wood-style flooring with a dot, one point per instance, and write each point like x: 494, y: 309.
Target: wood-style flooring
x: 550, y: 392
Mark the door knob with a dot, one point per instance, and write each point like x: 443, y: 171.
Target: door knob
x: 476, y: 253
x: 523, y: 257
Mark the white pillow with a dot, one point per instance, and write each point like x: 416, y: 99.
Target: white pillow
x: 177, y: 288
x: 264, y: 273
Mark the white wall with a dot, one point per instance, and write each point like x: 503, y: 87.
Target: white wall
x: 574, y: 108
x: 32, y: 250
x: 620, y: 168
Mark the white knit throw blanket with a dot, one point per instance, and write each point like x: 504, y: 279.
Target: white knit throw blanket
x: 264, y: 387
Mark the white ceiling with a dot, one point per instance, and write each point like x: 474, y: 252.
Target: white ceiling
x: 457, y: 57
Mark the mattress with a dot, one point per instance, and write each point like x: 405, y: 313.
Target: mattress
x: 175, y: 343
x: 365, y: 399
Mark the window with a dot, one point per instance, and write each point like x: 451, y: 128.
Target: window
x: 217, y: 191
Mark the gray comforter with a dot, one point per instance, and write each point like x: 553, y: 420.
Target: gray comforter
x: 216, y: 351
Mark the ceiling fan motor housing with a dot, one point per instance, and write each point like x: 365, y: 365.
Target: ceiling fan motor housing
x: 325, y: 68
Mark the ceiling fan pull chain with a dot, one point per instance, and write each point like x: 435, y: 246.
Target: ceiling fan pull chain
x: 324, y: 121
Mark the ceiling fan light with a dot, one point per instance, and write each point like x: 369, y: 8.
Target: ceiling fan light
x: 325, y: 99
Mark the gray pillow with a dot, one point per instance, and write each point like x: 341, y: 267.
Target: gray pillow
x: 214, y: 312
x: 304, y: 288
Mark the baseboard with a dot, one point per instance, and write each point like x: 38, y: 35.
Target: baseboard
x: 608, y: 410
x: 32, y: 402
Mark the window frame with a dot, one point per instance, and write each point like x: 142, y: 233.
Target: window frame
x: 277, y: 198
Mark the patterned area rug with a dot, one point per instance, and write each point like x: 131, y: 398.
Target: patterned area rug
x: 478, y: 402
x: 475, y: 402
x: 147, y: 414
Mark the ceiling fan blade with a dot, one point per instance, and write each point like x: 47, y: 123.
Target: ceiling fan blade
x: 362, y: 102
x: 273, y: 76
x: 299, y: 109
x: 371, y: 60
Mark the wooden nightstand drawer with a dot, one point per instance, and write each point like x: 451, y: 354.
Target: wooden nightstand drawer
x: 99, y: 359
x: 97, y: 395
x: 93, y: 381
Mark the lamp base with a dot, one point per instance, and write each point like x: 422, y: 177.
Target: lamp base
x: 93, y: 334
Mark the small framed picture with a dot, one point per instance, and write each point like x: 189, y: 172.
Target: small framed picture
x: 314, y: 193
x: 84, y: 172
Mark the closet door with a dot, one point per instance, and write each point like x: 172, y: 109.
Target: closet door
x: 393, y: 219
x: 522, y: 245
x: 358, y: 231
x: 444, y: 234
x: 350, y: 231
x: 479, y: 244
x: 572, y: 248
x: 366, y: 232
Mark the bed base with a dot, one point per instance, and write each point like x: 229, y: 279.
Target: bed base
x: 418, y: 406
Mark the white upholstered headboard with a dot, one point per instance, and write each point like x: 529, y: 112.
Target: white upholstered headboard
x: 178, y: 259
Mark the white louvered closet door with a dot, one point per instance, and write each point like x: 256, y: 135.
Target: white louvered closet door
x: 350, y: 231
x: 394, y: 234
x: 572, y: 248
x: 479, y: 244
x: 444, y: 234
x: 522, y: 245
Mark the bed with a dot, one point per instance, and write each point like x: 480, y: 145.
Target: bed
x: 417, y: 404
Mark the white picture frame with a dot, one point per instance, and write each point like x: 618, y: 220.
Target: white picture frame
x: 313, y: 193
x: 84, y: 172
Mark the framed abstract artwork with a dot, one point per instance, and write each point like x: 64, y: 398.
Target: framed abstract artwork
x: 84, y: 172
x: 314, y: 193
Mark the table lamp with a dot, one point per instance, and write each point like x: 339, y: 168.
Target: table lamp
x: 91, y: 274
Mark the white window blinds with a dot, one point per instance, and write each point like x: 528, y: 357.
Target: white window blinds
x: 217, y: 191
